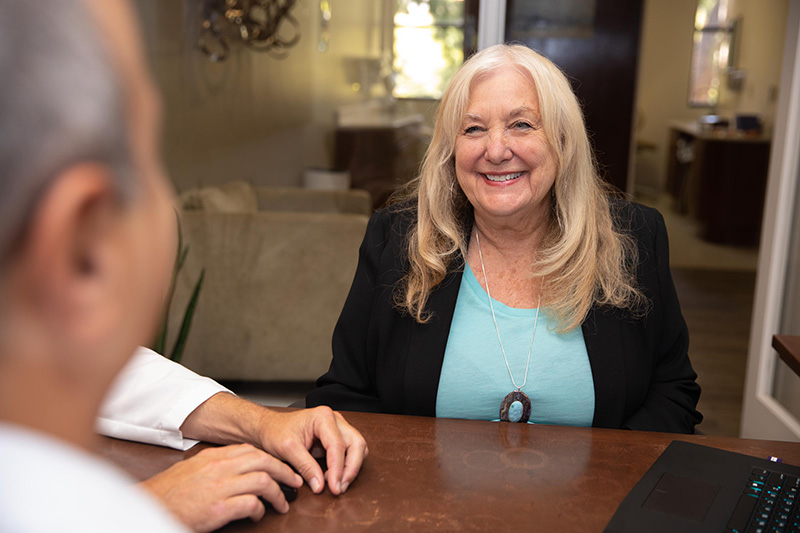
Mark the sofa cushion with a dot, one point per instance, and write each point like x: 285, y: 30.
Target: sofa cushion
x: 233, y: 197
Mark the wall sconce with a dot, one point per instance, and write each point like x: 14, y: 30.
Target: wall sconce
x: 261, y: 25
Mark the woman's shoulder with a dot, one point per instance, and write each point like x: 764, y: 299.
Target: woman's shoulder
x: 635, y: 218
x: 389, y: 227
x: 397, y: 217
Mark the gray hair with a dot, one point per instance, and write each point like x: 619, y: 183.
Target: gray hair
x: 60, y: 103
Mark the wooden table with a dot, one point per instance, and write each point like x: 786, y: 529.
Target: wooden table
x: 788, y: 347
x: 424, y: 474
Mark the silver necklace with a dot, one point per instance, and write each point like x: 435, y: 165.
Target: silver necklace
x: 516, y: 406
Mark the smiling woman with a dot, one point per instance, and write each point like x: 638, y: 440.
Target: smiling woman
x: 508, y: 192
x: 504, y: 164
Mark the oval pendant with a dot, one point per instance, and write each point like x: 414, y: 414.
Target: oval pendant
x: 516, y: 407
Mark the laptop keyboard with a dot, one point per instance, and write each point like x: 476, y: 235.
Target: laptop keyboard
x: 768, y: 504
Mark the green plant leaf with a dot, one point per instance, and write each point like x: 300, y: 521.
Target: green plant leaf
x: 181, y: 260
x: 188, y: 315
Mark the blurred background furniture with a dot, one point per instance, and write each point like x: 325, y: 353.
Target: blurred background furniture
x: 382, y: 149
x: 720, y: 179
x: 279, y: 263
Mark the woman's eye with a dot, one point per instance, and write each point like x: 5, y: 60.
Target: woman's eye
x: 522, y: 125
x: 472, y: 130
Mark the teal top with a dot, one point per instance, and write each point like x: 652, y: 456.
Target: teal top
x: 474, y: 378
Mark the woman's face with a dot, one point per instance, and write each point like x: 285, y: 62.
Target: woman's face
x: 503, y: 162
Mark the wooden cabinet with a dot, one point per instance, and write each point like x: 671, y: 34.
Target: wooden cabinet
x: 720, y: 179
x: 380, y: 158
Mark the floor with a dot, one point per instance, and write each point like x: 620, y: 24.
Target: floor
x: 717, y: 307
x: 279, y: 394
x: 715, y: 286
x: 689, y: 251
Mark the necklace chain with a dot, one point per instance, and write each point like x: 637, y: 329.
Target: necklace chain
x: 497, y: 329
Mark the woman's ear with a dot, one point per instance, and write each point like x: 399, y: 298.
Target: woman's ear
x: 61, y: 274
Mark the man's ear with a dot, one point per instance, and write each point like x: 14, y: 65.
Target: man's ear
x: 65, y: 250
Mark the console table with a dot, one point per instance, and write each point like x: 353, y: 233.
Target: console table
x: 381, y: 150
x: 719, y: 178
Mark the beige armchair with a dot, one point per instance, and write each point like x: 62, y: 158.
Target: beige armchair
x: 279, y: 263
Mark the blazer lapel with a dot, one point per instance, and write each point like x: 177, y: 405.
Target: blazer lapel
x: 602, y: 332
x: 426, y: 347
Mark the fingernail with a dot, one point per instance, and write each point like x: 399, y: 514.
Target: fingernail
x: 343, y: 487
x: 315, y: 485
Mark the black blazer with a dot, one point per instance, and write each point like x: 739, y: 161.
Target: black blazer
x: 384, y: 361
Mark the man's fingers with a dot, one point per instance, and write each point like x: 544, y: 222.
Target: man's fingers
x: 345, y: 449
x: 306, y: 466
x: 243, y: 458
x: 316, y: 429
x: 229, y: 451
x: 260, y: 461
x: 243, y: 506
x: 267, y: 488
x: 326, y: 430
x: 334, y: 455
x: 355, y: 451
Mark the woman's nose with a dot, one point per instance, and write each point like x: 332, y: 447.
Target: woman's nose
x: 497, y: 149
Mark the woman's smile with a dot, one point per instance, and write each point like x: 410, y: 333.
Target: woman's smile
x: 504, y: 163
x: 502, y: 177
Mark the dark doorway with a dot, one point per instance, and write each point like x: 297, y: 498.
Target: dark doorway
x: 596, y: 43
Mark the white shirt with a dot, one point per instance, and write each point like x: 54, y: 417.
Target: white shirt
x: 150, y: 399
x: 47, y: 485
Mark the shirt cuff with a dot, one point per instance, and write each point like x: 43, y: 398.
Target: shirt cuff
x: 151, y: 398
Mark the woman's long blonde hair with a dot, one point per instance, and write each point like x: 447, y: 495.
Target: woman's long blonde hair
x: 584, y: 259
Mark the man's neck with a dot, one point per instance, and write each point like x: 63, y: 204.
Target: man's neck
x: 39, y: 399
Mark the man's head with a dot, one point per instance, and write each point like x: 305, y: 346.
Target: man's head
x: 60, y: 103
x: 86, y: 229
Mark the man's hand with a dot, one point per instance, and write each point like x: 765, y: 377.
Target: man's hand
x: 291, y: 436
x: 297, y: 436
x: 218, y: 485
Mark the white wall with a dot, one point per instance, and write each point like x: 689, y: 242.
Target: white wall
x: 663, y: 81
x: 253, y: 117
x: 763, y: 29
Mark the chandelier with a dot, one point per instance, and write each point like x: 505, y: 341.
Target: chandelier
x: 261, y: 25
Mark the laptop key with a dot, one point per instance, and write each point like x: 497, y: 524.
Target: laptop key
x: 776, y: 478
x: 741, y: 513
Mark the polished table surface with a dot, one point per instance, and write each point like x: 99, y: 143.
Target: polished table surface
x: 788, y: 347
x: 425, y: 473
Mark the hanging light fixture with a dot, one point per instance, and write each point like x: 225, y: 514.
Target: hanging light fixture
x: 261, y: 25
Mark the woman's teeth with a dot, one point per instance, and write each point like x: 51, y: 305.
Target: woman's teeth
x: 502, y: 177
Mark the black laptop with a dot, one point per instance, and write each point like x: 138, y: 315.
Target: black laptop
x: 697, y: 488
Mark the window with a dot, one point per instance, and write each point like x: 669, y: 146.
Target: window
x: 712, y: 52
x: 429, y: 39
